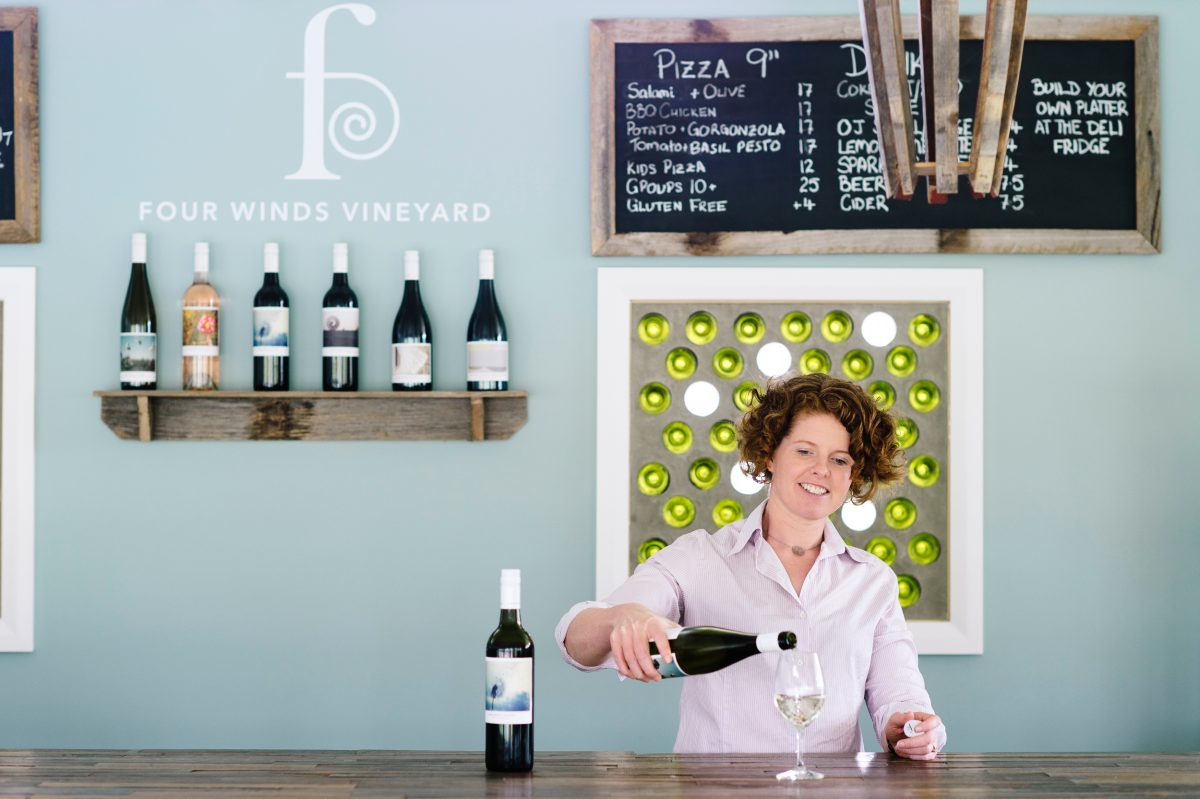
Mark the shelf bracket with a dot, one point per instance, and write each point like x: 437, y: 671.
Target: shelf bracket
x: 144, y: 419
x: 477, y: 418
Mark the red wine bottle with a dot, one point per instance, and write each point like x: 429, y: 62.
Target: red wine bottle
x: 487, y: 337
x: 271, y: 353
x: 139, y: 326
x: 412, y: 336
x: 508, y: 687
x: 339, y: 325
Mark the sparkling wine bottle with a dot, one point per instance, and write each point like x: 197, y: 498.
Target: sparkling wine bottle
x: 271, y: 353
x: 412, y: 335
x: 339, y: 326
x: 701, y: 650
x: 508, y: 686
x: 201, y: 328
x: 139, y: 326
x: 487, y: 337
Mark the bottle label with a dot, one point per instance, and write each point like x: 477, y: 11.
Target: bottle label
x: 669, y: 669
x: 270, y: 331
x: 508, y: 691
x: 487, y: 361
x: 340, y: 326
x: 138, y: 358
x: 412, y: 363
x: 200, y: 331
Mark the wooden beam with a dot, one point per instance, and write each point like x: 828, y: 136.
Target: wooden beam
x: 883, y: 45
x: 939, y: 40
x: 999, y: 71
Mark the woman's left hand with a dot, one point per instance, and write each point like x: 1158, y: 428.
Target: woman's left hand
x: 920, y: 747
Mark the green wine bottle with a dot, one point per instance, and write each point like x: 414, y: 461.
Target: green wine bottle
x: 837, y: 326
x: 924, y: 549
x: 857, y: 364
x: 924, y: 471
x: 902, y: 361
x: 653, y: 479
x: 796, y: 327
x: 727, y: 363
x: 900, y: 513
x: 677, y: 437
x: 723, y: 436
x: 882, y: 548
x: 749, y: 328
x: 681, y: 363
x: 704, y: 473
x: 727, y: 511
x: 924, y: 330
x: 653, y: 329
x: 924, y: 396
x: 906, y: 432
x: 743, y: 395
x: 679, y: 511
x: 649, y: 548
x: 654, y: 398
x: 910, y: 590
x: 701, y: 327
x: 813, y: 361
x: 884, y: 395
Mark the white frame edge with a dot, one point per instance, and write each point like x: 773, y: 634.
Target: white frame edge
x: 619, y: 287
x: 17, y: 291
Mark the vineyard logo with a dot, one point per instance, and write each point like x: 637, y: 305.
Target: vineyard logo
x: 355, y: 121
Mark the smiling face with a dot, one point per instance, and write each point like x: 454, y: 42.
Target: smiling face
x: 811, y: 468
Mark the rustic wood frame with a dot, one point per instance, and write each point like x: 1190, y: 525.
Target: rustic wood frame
x: 17, y: 326
x: 1144, y: 239
x: 26, y: 227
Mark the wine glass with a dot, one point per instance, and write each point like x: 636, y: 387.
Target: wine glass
x: 799, y: 696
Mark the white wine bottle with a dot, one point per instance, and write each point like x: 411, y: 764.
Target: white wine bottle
x: 487, y: 337
x: 703, y: 650
x: 508, y: 687
x: 139, y: 326
x: 201, y: 328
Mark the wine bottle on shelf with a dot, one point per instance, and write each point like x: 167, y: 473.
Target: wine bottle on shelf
x: 412, y: 337
x: 508, y: 688
x: 702, y: 650
x: 339, y: 325
x: 487, y: 337
x: 139, y: 326
x: 271, y: 327
x: 201, y: 333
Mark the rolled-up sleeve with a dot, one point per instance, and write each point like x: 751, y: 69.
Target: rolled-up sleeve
x: 894, y: 682
x: 651, y: 584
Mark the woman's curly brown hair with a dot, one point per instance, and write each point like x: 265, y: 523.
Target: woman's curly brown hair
x: 878, y: 460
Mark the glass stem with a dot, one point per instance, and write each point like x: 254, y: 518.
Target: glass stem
x: 799, y: 760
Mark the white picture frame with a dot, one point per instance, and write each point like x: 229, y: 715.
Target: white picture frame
x: 620, y: 287
x: 17, y: 311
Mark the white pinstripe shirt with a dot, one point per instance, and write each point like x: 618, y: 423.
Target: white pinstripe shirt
x: 847, y: 612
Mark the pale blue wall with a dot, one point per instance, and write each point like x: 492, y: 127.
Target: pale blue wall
x: 338, y: 594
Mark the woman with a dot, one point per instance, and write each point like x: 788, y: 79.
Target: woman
x: 815, y: 440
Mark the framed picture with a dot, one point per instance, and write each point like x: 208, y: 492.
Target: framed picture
x: 20, y: 186
x: 679, y: 353
x: 16, y: 458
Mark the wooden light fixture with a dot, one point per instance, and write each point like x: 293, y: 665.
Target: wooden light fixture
x: 883, y: 42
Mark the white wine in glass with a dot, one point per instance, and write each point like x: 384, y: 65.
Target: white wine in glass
x: 799, y: 697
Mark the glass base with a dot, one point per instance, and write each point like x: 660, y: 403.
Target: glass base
x: 797, y: 774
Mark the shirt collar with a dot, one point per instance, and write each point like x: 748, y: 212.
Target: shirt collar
x: 832, y: 544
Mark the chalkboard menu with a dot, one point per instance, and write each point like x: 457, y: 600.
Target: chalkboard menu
x: 738, y: 138
x: 19, y: 183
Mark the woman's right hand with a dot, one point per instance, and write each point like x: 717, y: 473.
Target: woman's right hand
x: 634, y: 626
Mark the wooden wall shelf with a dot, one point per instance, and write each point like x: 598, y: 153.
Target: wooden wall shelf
x: 313, y: 415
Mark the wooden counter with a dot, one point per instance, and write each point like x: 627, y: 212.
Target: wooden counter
x: 319, y: 774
